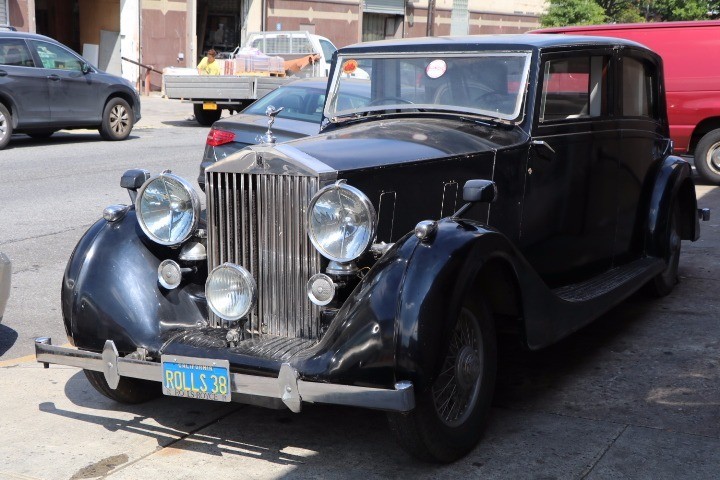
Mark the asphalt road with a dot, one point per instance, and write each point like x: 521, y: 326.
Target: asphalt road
x: 635, y: 395
x: 52, y: 191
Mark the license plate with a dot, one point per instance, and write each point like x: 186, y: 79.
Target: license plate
x: 209, y: 106
x: 201, y: 378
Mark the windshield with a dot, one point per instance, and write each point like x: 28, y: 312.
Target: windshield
x: 486, y: 83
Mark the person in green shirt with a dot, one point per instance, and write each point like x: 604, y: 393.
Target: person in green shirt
x: 208, y: 65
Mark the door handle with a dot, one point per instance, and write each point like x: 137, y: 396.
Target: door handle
x: 3, y: 73
x: 543, y: 149
x: 53, y: 77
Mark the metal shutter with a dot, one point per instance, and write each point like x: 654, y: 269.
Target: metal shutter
x: 388, y: 7
x: 4, y: 17
x: 460, y: 18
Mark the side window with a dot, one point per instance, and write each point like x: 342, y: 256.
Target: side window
x: 639, y: 87
x: 57, y: 57
x: 14, y: 52
x: 574, y: 87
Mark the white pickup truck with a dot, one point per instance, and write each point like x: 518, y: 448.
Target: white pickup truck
x: 305, y: 54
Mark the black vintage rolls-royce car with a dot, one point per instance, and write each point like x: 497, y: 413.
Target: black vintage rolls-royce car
x: 515, y: 183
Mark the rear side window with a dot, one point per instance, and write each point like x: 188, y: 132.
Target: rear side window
x: 282, y: 44
x: 574, y: 87
x: 14, y: 52
x: 57, y: 57
x: 639, y: 89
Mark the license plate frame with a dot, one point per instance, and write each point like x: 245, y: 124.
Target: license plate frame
x: 192, y: 377
x: 210, y: 106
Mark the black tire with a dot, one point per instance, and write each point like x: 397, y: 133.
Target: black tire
x: 707, y: 156
x: 447, y: 424
x: 117, y: 121
x: 6, y: 126
x: 206, y: 117
x: 129, y: 390
x: 41, y: 135
x: 664, y: 282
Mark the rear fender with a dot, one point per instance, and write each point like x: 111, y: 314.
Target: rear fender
x: 673, y: 182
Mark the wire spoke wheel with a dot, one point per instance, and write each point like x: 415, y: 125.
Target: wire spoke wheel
x: 456, y: 390
x: 450, y: 413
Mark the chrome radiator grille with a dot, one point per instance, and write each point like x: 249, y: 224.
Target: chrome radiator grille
x: 258, y: 222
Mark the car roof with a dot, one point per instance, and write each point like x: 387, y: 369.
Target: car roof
x: 319, y: 83
x: 490, y: 42
x: 28, y: 35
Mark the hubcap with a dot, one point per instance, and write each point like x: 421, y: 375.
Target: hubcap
x: 713, y: 157
x: 467, y: 368
x: 119, y: 119
x: 456, y: 391
x: 3, y: 126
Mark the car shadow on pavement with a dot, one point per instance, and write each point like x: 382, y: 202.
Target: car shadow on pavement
x: 8, y: 337
x: 60, y: 138
x: 183, y: 123
x: 230, y: 429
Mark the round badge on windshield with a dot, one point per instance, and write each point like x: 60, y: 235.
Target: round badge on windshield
x: 436, y: 69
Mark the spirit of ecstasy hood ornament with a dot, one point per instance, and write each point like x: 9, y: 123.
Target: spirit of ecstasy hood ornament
x: 271, y: 113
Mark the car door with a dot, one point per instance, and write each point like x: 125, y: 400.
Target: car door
x: 74, y: 96
x: 569, y: 215
x: 23, y: 83
x: 645, y: 142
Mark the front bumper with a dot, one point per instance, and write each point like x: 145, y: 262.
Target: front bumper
x: 286, y: 387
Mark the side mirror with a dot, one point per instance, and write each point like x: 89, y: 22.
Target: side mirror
x: 85, y: 68
x: 132, y: 180
x: 482, y: 191
x: 477, y: 191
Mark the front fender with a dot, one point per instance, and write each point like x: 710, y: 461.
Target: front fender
x: 396, y: 323
x: 359, y: 346
x: 110, y: 291
x: 439, y: 277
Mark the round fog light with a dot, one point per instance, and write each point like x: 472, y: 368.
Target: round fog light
x: 169, y: 274
x: 230, y: 291
x: 320, y: 289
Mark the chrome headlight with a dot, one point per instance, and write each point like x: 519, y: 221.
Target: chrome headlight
x: 168, y: 209
x: 231, y: 291
x: 341, y: 222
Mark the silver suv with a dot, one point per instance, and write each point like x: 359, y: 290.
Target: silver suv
x: 45, y: 87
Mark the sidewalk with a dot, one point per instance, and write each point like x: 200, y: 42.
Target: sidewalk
x: 160, y: 112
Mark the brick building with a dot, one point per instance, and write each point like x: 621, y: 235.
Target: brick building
x: 161, y: 33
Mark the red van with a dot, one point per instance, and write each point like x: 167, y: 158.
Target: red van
x: 691, y: 57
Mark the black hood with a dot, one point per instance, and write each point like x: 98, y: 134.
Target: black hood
x: 401, y: 140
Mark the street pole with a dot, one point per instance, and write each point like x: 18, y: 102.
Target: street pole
x: 430, y: 31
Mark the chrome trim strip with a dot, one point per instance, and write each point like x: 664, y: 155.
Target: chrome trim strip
x: 401, y: 399
x: 307, y: 160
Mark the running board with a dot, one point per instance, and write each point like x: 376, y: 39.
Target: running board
x: 613, y: 279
